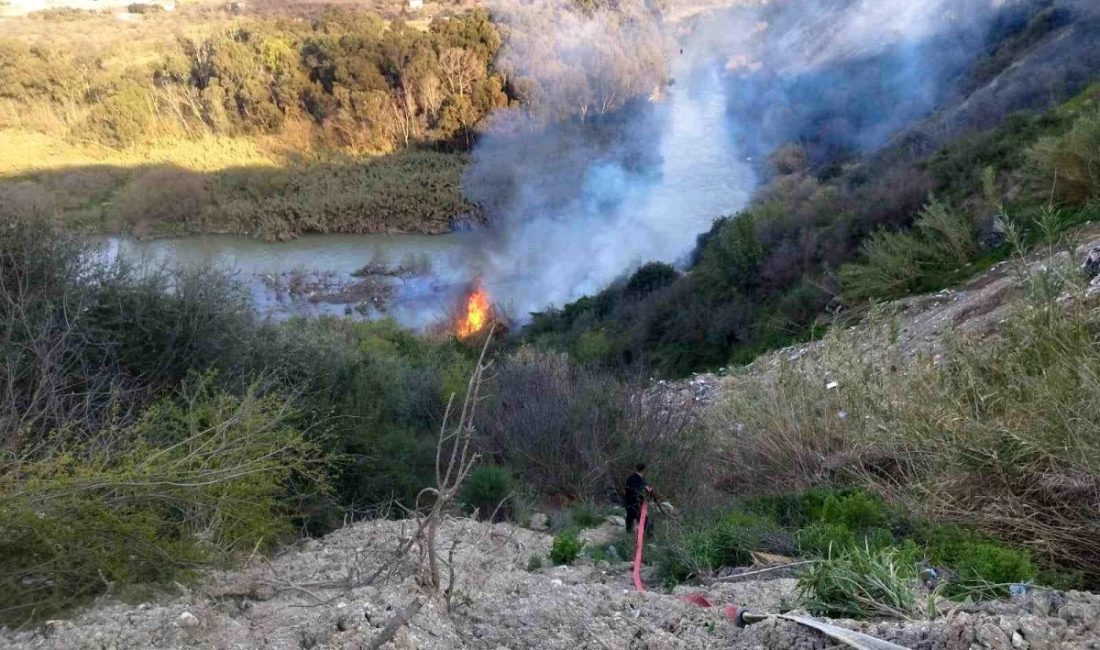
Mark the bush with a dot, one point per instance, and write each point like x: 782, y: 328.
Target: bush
x: 85, y: 341
x: 573, y: 431
x: 649, y: 278
x: 162, y: 199
x: 1000, y: 427
x: 566, y: 547
x: 1067, y: 167
x: 898, y: 264
x: 861, y: 583
x: 981, y: 567
x: 144, y: 8
x: 123, y: 117
x: 583, y: 515
x: 534, y: 563
x: 486, y: 490
x: 710, y: 544
x: 196, y: 480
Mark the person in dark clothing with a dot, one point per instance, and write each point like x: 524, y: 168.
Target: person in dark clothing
x: 637, y: 491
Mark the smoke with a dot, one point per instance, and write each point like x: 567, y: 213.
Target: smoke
x: 576, y: 204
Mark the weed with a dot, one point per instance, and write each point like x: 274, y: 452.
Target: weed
x: 710, y: 544
x: 861, y: 583
x: 486, y: 490
x: 566, y: 547
x: 583, y: 515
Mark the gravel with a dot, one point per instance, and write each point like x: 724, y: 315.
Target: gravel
x: 308, y: 598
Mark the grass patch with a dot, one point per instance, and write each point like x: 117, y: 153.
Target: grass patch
x: 861, y: 583
x: 846, y: 528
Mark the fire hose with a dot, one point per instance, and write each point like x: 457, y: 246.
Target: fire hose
x: 742, y: 617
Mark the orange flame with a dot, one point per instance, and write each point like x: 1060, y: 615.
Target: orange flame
x: 478, y: 312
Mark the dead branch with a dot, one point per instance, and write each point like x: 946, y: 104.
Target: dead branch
x: 396, y: 623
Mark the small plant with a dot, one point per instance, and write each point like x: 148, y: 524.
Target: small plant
x: 534, y: 563
x: 583, y: 515
x: 901, y: 263
x: 486, y: 490
x: 982, y: 568
x: 711, y: 545
x: 566, y: 547
x: 861, y: 583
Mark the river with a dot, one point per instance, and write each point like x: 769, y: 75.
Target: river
x: 267, y: 268
x: 546, y: 260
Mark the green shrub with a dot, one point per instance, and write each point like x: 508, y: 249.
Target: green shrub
x: 711, y: 544
x: 897, y: 264
x: 583, y: 515
x: 566, y: 547
x: 861, y: 583
x: 1067, y: 167
x: 981, y: 567
x: 486, y: 489
x: 855, y: 509
x: 534, y: 563
x: 195, y: 481
x: 823, y: 539
x: 124, y: 116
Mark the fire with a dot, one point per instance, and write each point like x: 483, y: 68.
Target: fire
x: 479, y: 310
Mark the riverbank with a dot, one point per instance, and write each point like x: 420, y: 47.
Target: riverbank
x: 229, y: 186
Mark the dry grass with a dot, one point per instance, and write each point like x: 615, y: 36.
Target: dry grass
x: 221, y: 184
x: 1000, y: 433
x: 28, y: 153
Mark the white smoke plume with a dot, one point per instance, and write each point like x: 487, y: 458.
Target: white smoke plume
x: 574, y: 207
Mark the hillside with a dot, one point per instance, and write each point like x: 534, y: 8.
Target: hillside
x: 868, y: 396
x: 318, y: 593
x: 846, y: 215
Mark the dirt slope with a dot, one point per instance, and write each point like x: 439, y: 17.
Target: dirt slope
x: 308, y: 598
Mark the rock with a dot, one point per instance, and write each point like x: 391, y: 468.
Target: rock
x: 1091, y: 266
x: 1094, y: 288
x: 989, y: 635
x: 1018, y: 641
x: 187, y: 621
x: 540, y: 522
x: 616, y: 520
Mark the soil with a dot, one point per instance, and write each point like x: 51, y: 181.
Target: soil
x: 314, y: 597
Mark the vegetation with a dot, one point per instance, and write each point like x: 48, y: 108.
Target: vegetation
x: 576, y: 432
x: 1000, y: 427
x: 288, y: 142
x: 566, y: 547
x: 862, y: 553
x: 861, y: 583
x: 341, y: 121
x: 817, y: 239
x: 936, y: 252
x: 487, y: 490
x: 150, y: 409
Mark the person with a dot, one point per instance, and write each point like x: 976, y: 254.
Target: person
x: 637, y: 491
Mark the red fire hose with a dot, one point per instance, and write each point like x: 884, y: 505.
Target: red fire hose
x: 638, y: 547
x: 742, y: 617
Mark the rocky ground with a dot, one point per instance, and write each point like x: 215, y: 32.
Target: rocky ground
x: 313, y: 597
x: 977, y: 309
